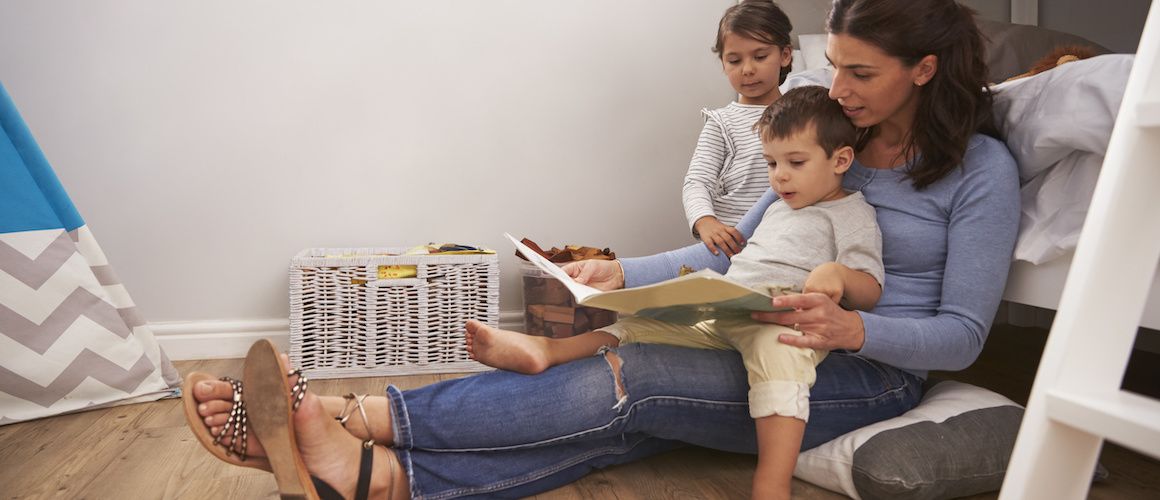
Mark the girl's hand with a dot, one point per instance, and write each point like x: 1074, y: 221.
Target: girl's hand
x: 824, y: 325
x: 598, y: 274
x: 718, y: 236
x: 826, y: 279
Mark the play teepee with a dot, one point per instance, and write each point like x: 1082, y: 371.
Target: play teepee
x: 70, y: 335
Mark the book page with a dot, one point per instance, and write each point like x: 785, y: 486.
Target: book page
x: 704, y: 289
x: 687, y: 299
x: 579, y: 291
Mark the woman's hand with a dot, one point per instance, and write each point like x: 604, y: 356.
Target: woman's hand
x: 719, y: 237
x: 823, y: 323
x: 598, y: 274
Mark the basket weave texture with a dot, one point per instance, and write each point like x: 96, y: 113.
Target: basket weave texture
x: 346, y: 322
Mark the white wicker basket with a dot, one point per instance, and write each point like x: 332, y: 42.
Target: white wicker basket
x: 346, y: 322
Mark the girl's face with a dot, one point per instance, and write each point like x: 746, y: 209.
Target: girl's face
x: 872, y: 86
x: 754, y: 67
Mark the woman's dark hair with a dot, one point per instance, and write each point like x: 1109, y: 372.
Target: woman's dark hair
x: 761, y: 20
x: 954, y: 104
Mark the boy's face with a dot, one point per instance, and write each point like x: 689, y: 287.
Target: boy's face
x: 801, y: 173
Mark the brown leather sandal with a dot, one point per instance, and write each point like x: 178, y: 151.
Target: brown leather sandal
x: 236, y: 428
x: 271, y: 401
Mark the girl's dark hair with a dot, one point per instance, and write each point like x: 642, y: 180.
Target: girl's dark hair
x: 956, y: 103
x: 761, y: 20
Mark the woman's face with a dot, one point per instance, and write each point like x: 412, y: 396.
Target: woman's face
x: 872, y: 86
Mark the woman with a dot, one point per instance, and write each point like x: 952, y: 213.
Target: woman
x: 912, y: 73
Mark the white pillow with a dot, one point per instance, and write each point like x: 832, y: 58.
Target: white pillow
x: 813, y: 49
x: 816, y: 76
x: 1057, y: 125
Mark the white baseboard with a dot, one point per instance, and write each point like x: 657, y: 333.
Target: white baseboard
x: 185, y: 340
x: 218, y: 339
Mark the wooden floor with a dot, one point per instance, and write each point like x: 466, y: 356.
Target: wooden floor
x: 145, y: 450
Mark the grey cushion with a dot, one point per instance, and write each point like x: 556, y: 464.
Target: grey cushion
x: 898, y: 463
x: 956, y: 442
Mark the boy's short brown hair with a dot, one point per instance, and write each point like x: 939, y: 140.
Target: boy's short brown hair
x: 799, y: 108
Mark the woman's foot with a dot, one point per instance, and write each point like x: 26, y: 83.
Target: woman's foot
x: 512, y: 351
x: 215, y: 400
x: 333, y: 455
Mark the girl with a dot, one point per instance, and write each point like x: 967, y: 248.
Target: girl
x: 727, y: 173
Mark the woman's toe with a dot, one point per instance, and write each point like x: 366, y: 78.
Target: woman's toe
x: 209, y: 390
x: 214, y: 407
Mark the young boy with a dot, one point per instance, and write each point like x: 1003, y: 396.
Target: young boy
x: 816, y: 237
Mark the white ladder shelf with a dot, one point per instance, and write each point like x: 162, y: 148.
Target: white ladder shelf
x: 1076, y: 402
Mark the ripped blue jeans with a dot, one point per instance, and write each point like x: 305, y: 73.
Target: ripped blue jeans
x: 506, y: 435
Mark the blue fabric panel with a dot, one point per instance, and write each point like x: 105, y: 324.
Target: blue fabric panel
x: 31, y: 196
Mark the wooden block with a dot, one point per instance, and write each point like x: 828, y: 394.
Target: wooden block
x: 559, y: 314
x: 601, y: 317
x: 555, y: 293
x: 533, y: 325
x: 532, y: 284
x: 581, y: 322
x: 561, y: 330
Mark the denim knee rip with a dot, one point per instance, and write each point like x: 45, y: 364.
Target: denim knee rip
x: 615, y: 365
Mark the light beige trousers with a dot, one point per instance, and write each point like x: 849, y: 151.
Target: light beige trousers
x: 780, y: 375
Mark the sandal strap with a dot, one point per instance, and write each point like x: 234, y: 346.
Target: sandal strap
x: 363, y: 488
x: 298, y: 391
x: 365, y: 464
x: 325, y: 490
x: 353, y: 402
x: 391, y: 474
x: 237, y: 424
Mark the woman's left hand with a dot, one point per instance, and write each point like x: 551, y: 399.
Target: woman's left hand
x: 823, y: 324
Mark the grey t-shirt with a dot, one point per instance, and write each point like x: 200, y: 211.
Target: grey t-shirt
x: 789, y: 243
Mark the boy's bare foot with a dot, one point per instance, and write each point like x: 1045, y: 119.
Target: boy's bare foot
x: 332, y: 454
x: 512, y: 351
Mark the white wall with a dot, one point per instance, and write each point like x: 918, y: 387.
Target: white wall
x: 207, y: 142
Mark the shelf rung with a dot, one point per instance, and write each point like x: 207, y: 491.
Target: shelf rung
x: 1148, y: 113
x: 1130, y: 420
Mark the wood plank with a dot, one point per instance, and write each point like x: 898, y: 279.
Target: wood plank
x: 67, y: 464
x: 157, y: 461
x: 246, y: 487
x: 21, y: 442
x: 145, y: 450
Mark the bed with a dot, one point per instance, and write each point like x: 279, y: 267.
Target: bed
x: 1057, y: 125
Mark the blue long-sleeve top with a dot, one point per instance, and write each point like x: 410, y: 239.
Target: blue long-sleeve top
x: 947, y: 250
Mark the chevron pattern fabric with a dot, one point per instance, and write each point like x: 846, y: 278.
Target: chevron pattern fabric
x: 70, y: 335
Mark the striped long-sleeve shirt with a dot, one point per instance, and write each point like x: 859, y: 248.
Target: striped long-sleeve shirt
x: 727, y: 173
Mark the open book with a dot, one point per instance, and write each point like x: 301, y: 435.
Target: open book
x: 688, y: 299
